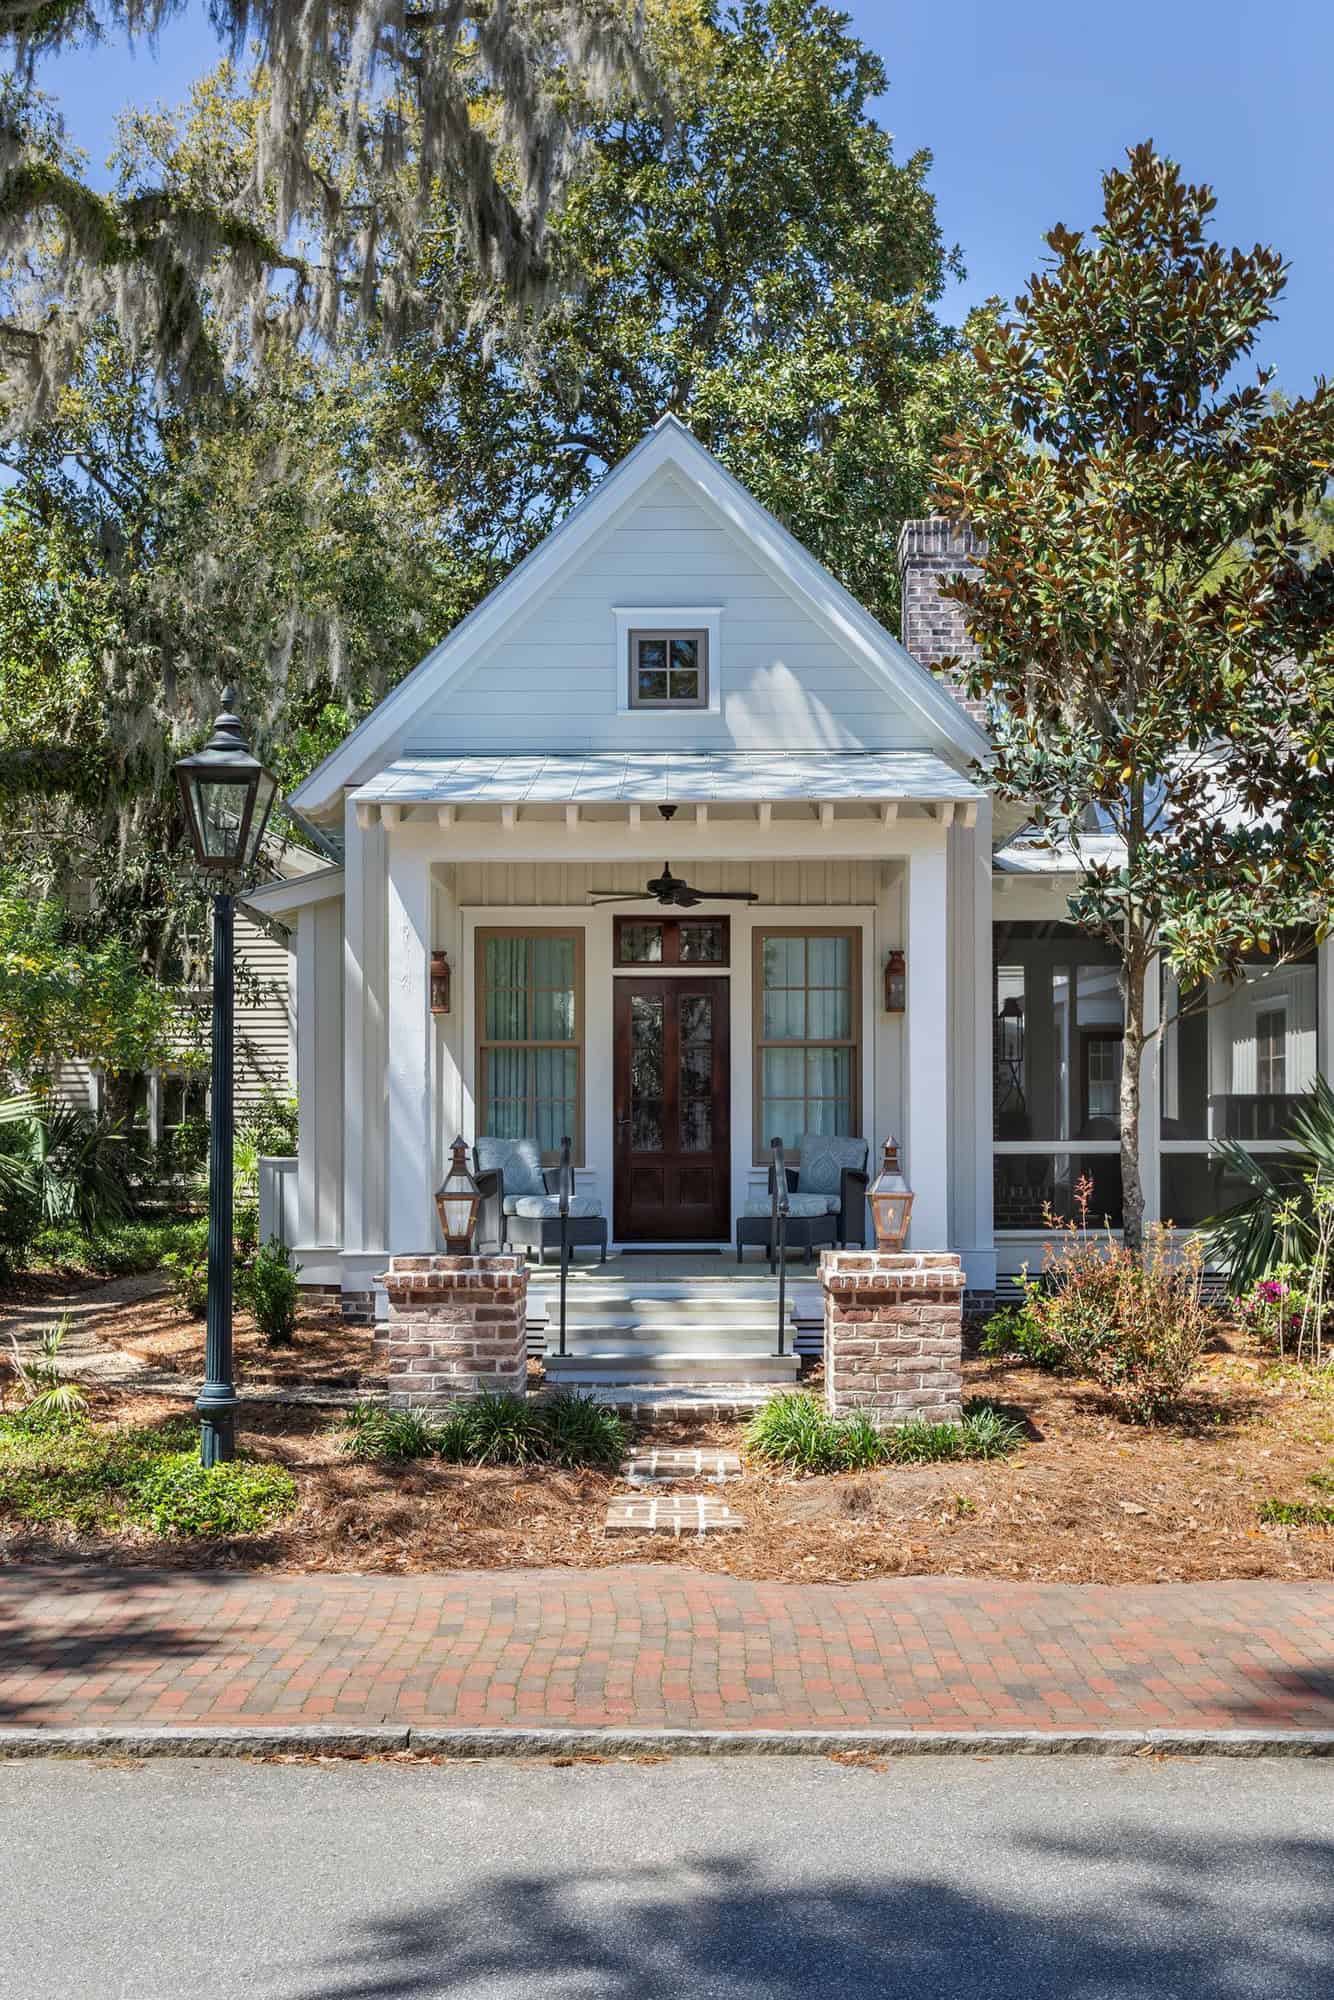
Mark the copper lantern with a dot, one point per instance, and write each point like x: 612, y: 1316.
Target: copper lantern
x: 891, y: 1202
x: 457, y: 1201
x: 439, y: 983
x: 896, y: 983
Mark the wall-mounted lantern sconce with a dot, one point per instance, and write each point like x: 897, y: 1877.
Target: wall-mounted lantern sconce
x: 896, y: 983
x: 891, y: 1202
x: 439, y: 983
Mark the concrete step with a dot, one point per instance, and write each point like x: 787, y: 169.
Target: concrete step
x: 634, y: 1337
x: 669, y: 1311
x: 626, y: 1365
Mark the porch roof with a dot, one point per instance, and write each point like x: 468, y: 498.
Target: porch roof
x: 713, y: 777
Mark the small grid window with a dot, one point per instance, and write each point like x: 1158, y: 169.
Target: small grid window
x: 669, y: 669
x: 1271, y: 1052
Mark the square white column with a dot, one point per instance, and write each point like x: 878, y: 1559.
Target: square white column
x: 410, y: 1046
x: 926, y: 1080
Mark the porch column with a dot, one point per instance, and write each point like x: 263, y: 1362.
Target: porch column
x: 408, y: 1067
x: 926, y: 1081
x: 363, y: 1044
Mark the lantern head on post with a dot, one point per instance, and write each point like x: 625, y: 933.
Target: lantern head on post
x: 457, y: 1201
x: 896, y: 983
x: 227, y: 795
x: 891, y: 1202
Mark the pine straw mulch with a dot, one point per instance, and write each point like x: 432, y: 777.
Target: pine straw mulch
x: 327, y: 1353
x: 1088, y: 1499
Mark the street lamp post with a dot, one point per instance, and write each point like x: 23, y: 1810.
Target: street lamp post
x: 227, y: 796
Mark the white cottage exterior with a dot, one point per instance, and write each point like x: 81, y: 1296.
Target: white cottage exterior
x: 670, y: 677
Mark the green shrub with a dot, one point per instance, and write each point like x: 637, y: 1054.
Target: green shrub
x: 569, y: 1429
x: 121, y: 1250
x: 795, y: 1430
x: 505, y: 1430
x: 95, y: 1479
x: 49, y: 1398
x: 269, y: 1288
x: 579, y: 1430
x: 176, y: 1495
x: 380, y: 1436
x: 1015, y: 1330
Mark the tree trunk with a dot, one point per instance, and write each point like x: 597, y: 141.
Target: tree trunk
x: 1134, y: 974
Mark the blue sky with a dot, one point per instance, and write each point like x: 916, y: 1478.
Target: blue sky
x: 1023, y: 109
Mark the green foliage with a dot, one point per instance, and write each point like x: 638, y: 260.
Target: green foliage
x: 186, y: 1268
x: 1146, y: 606
x: 58, y: 1166
x: 1014, y: 1330
x: 63, y: 996
x: 268, y: 1287
x: 49, y: 1399
x: 565, y: 1429
x: 1139, y: 1325
x: 96, y: 1479
x: 1277, y: 1223
x: 581, y: 1431
x: 796, y: 1430
x: 120, y: 1250
x: 762, y: 266
x: 1297, y: 1513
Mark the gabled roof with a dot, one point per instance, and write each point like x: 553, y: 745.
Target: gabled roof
x: 668, y: 445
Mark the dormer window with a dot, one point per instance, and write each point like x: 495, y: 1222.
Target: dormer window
x: 669, y: 668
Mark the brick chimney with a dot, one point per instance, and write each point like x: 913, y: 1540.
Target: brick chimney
x: 932, y: 627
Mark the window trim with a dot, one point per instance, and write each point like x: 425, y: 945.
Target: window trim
x: 853, y: 933
x: 483, y: 1044
x: 680, y: 619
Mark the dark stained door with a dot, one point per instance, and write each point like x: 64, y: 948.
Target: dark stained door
x: 672, y: 1103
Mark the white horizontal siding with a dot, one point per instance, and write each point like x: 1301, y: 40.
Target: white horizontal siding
x: 264, y: 1030
x: 554, y: 682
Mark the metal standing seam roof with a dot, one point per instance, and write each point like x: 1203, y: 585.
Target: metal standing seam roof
x: 667, y: 777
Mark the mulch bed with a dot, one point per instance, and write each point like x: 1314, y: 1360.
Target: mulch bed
x: 327, y: 1351
x: 1089, y: 1498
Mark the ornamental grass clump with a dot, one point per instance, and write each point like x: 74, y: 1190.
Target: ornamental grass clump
x: 566, y: 1429
x: 796, y: 1431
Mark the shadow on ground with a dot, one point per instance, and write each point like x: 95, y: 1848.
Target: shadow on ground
x: 1105, y: 1918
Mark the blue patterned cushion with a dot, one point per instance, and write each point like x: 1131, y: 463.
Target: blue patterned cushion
x: 518, y: 1160
x: 545, y: 1207
x: 798, y: 1204
x: 823, y: 1160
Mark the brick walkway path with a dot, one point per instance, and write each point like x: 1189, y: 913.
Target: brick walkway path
x: 659, y: 1647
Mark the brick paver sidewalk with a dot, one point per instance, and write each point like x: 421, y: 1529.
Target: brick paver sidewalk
x: 659, y: 1647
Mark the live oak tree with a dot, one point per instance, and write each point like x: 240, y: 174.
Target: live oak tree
x: 762, y: 265
x: 1156, y: 629
x: 371, y: 111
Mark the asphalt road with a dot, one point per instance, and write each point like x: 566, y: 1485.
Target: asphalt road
x: 996, y: 1879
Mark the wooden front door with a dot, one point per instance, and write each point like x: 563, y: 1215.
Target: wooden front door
x: 673, y: 1161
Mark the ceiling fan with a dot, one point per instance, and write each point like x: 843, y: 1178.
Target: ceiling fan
x: 674, y: 893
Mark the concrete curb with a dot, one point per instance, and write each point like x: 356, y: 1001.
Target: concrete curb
x: 339, y: 1740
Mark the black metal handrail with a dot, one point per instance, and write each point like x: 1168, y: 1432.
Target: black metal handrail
x: 779, y: 1210
x: 564, y: 1188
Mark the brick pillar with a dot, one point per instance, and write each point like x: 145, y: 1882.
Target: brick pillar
x: 893, y: 1334
x: 456, y: 1328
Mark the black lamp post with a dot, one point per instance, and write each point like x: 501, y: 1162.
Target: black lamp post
x: 227, y: 795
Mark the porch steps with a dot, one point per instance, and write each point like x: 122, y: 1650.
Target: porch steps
x: 707, y: 1341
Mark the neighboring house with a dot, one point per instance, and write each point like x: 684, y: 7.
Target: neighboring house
x: 671, y: 677
x: 265, y: 1027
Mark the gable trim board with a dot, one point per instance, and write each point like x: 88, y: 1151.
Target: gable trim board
x: 669, y: 446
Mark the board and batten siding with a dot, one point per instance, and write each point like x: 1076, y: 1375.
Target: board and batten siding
x: 540, y: 884
x: 553, y: 681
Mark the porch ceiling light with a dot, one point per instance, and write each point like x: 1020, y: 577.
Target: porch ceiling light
x: 227, y: 795
x: 457, y: 1201
x: 891, y: 1202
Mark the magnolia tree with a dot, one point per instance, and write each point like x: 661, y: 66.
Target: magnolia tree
x: 1156, y: 629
